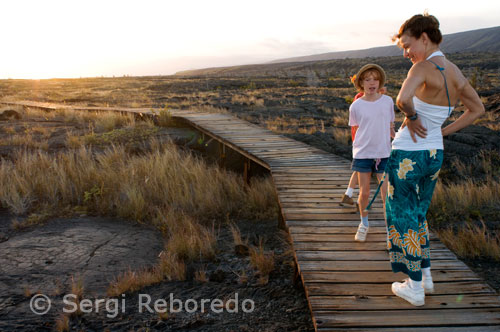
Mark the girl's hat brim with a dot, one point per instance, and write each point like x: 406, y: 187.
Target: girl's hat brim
x: 367, y: 67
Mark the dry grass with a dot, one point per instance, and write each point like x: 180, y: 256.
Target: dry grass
x: 285, y: 125
x: 243, y: 277
x: 131, y: 281
x: 473, y: 241
x: 464, y: 200
x: 340, y: 118
x: 62, y: 323
x: 457, y: 208
x: 164, y: 118
x: 235, y: 231
x: 247, y: 100
x: 190, y: 241
x: 262, y: 260
x: 176, y: 191
x: 28, y: 292
x: 117, y: 184
x: 32, y: 220
x: 76, y: 286
x: 342, y: 135
x: 25, y: 140
x: 201, y: 276
x: 73, y: 141
x: 169, y: 267
x: 468, y: 199
x: 489, y: 120
x: 107, y: 121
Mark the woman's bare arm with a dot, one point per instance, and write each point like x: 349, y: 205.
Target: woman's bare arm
x: 404, y: 101
x: 474, y: 109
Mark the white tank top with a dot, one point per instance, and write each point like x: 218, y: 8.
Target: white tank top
x: 432, y: 118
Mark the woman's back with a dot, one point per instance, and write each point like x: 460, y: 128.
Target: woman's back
x: 433, y: 90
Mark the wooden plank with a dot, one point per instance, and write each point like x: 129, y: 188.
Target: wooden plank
x: 338, y: 191
x: 311, y: 197
x: 329, y: 204
x: 410, y: 318
x: 333, y: 182
x: 292, y: 181
x: 280, y: 149
x: 339, y: 185
x: 297, y: 178
x: 325, y: 216
x: 374, y: 237
x: 334, y: 229
x: 308, y: 265
x: 323, y: 303
x: 353, y: 246
x: 320, y: 210
x: 330, y: 255
x: 384, y: 289
x: 384, y: 276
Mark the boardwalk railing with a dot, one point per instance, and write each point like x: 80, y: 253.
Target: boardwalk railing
x: 347, y: 284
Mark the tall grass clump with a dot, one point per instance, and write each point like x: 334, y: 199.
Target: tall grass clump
x: 115, y: 183
x: 108, y: 121
x: 473, y: 197
x: 464, y: 212
x: 472, y: 241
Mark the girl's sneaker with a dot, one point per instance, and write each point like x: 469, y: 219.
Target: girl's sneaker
x: 347, y: 200
x: 361, y: 233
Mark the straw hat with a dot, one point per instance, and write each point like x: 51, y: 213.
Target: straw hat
x: 365, y: 68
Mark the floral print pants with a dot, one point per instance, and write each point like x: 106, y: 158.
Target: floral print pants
x: 412, y: 177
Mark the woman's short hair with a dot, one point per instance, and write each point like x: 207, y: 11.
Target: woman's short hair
x: 419, y: 24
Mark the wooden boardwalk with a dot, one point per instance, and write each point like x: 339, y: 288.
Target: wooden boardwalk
x: 348, y: 284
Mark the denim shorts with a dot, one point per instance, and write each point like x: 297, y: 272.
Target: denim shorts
x: 369, y: 165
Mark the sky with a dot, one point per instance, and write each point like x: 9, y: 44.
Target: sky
x: 73, y: 38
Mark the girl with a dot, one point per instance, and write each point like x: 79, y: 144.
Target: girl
x: 373, y: 114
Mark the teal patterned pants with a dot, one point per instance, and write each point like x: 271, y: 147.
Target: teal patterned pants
x: 412, y: 177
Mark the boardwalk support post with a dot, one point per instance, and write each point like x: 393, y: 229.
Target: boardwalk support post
x: 246, y: 171
x: 222, y: 157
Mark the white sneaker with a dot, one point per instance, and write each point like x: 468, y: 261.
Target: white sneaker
x: 428, y: 285
x: 404, y: 291
x: 361, y: 233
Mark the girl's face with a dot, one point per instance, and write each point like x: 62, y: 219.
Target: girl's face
x: 413, y: 48
x: 371, y: 84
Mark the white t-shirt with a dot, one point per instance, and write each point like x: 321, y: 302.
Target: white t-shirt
x: 373, y: 137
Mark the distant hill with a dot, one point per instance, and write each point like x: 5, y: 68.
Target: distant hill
x: 481, y: 40
x: 463, y: 44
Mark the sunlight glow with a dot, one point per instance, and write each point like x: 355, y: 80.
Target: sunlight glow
x: 56, y: 38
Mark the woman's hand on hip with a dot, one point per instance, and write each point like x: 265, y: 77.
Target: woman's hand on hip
x: 415, y: 127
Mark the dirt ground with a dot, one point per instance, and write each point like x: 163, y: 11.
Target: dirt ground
x: 97, y: 249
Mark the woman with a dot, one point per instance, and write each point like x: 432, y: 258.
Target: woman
x: 433, y: 85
